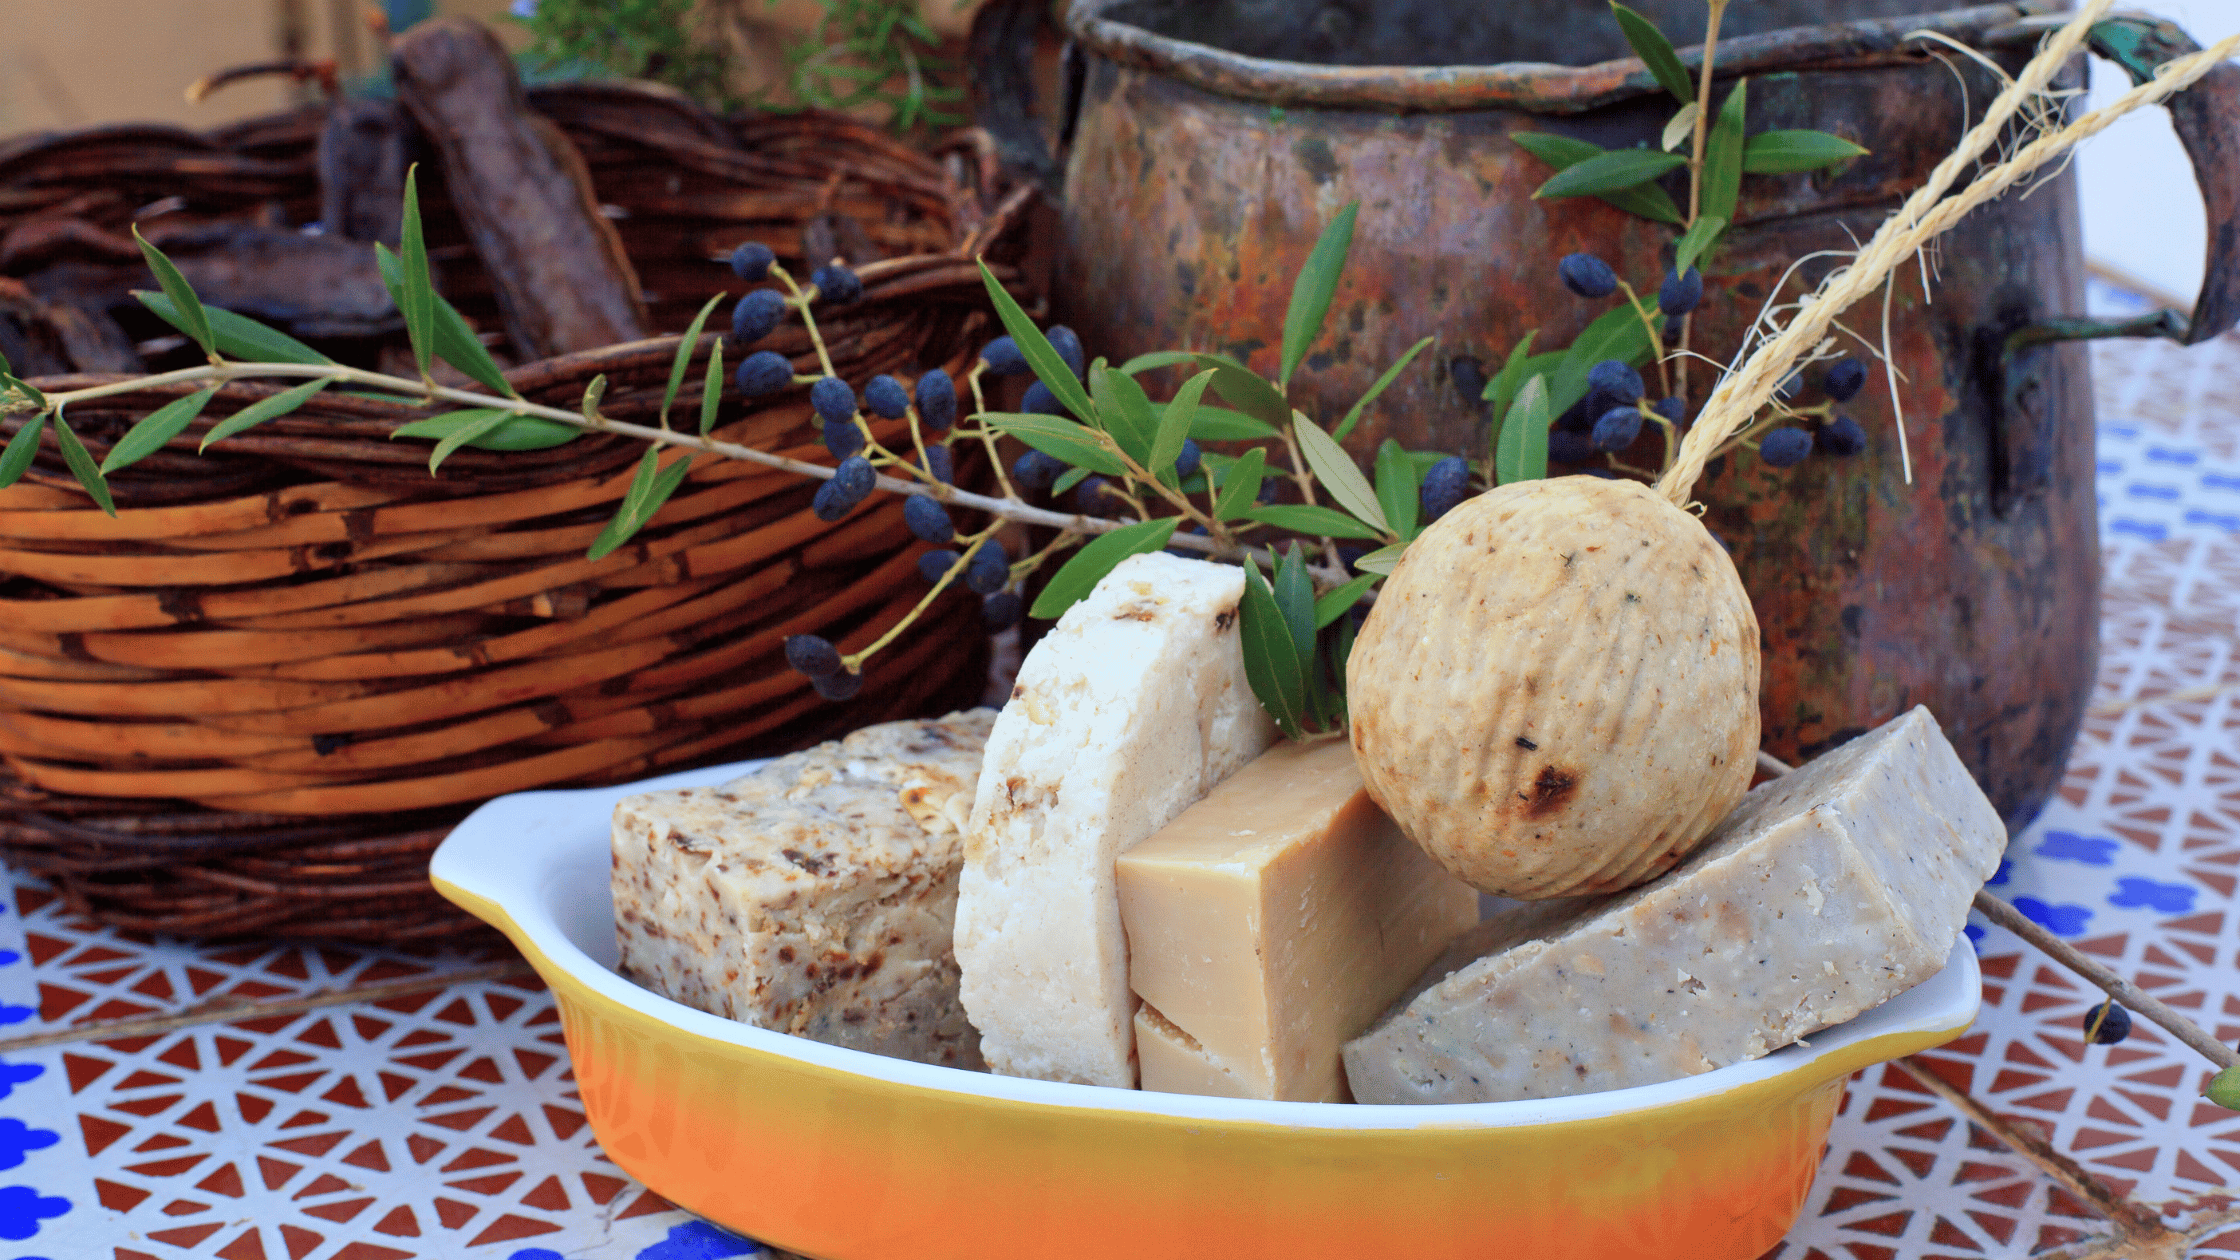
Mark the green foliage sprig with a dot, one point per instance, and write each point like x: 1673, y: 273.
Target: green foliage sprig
x: 1639, y: 331
x: 877, y: 52
x: 1297, y: 634
x: 638, y: 39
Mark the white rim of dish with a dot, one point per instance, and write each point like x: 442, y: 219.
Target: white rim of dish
x: 483, y: 857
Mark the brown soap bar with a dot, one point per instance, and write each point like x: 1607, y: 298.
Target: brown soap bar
x: 1273, y: 920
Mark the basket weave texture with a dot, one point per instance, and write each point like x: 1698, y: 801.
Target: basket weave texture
x: 255, y: 700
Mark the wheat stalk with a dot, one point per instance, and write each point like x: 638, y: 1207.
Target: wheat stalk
x: 1925, y: 215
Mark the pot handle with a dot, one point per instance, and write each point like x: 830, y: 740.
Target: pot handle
x: 1002, y: 43
x: 2206, y: 117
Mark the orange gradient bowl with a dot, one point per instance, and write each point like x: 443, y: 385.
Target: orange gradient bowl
x: 841, y: 1155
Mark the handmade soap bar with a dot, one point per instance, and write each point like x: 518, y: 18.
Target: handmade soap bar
x: 817, y: 895
x: 1129, y: 710
x: 1274, y: 920
x: 1826, y: 892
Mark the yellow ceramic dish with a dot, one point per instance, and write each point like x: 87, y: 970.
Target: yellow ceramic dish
x: 842, y: 1155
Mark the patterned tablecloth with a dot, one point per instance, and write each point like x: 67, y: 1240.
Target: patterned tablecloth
x: 443, y: 1123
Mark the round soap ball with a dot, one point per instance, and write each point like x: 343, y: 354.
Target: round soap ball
x: 1556, y: 693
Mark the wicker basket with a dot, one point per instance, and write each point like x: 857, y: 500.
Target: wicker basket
x: 255, y: 700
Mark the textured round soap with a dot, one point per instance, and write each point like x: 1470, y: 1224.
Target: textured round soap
x: 1556, y: 692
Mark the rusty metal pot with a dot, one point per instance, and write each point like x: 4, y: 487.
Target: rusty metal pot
x: 1208, y: 143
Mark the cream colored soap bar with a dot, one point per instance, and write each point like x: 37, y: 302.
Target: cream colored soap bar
x: 1129, y: 710
x: 815, y: 896
x: 1274, y: 920
x: 1826, y: 892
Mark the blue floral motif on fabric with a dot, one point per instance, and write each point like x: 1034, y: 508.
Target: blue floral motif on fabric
x: 14, y: 1074
x: 22, y: 1208
x: 2133, y: 892
x: 17, y: 1138
x: 2061, y: 920
x: 2071, y: 847
x: 698, y: 1240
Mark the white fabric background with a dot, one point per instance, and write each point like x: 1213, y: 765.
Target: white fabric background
x: 2142, y: 213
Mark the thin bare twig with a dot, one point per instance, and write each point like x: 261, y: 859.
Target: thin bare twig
x: 2140, y: 1226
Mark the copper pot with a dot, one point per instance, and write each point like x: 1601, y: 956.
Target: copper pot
x: 1207, y: 143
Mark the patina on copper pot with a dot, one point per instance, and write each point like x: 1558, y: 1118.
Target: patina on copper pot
x: 1209, y: 141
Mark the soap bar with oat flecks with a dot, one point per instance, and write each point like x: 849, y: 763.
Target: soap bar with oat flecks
x: 815, y: 896
x: 1825, y: 893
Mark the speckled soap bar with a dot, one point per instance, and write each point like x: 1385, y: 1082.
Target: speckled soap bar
x: 1826, y: 892
x: 816, y: 896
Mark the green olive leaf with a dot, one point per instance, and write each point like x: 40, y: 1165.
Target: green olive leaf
x: 478, y: 421
x: 455, y: 342
x: 1722, y: 157
x: 1174, y: 425
x: 1048, y: 367
x: 1271, y: 656
x: 1219, y: 424
x: 1312, y: 289
x: 1786, y: 152
x: 641, y: 503
x: 1294, y: 592
x: 418, y: 306
x: 593, y: 395
x: 1680, y: 127
x: 1610, y: 172
x: 1076, y: 444
x: 192, y: 320
x: 1655, y: 52
x: 154, y: 429
x: 1341, y: 655
x: 1361, y: 405
x: 520, y: 433
x: 263, y: 409
x: 1695, y: 241
x: 1503, y: 387
x: 1562, y: 152
x: 1522, y: 454
x: 1338, y: 474
x: 1067, y: 480
x: 1099, y: 556
x: 1334, y: 604
x: 1304, y: 518
x: 1382, y: 561
x: 237, y: 336
x: 22, y: 448
x: 684, y: 355
x: 1156, y: 359
x: 81, y: 464
x: 1240, y: 486
x: 1125, y: 410
x: 1398, y: 484
x: 711, y: 388
x: 1247, y: 390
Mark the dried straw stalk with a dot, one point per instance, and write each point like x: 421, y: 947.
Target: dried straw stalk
x: 1925, y: 215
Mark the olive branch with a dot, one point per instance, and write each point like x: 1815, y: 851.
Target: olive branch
x: 1153, y: 488
x: 1593, y: 394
